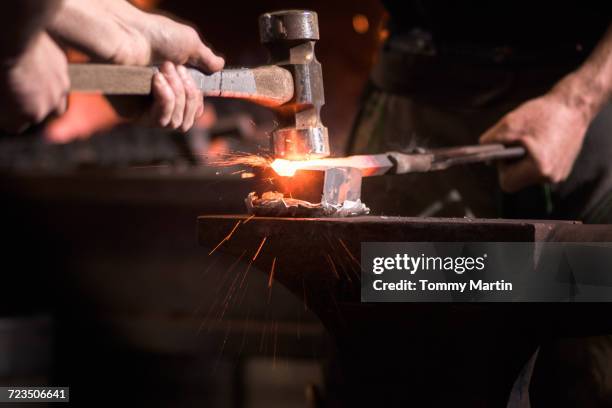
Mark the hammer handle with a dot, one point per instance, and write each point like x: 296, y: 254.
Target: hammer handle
x: 268, y: 85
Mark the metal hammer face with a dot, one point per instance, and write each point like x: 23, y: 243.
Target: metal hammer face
x: 290, y: 37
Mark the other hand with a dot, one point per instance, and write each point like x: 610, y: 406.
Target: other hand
x: 552, y: 132
x: 33, y: 85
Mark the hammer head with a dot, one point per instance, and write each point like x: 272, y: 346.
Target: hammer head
x: 290, y: 37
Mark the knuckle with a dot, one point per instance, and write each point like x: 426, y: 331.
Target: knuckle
x: 190, y: 93
x: 166, y: 67
x: 168, y: 101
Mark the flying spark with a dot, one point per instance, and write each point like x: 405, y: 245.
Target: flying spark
x: 263, y: 241
x: 333, y: 266
x: 271, y: 279
x: 227, y: 238
x: 248, y: 219
x: 240, y: 159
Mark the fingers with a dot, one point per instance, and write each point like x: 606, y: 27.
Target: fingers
x: 526, y: 172
x: 177, y: 101
x: 199, y: 55
x: 512, y: 176
x: 163, y: 101
x: 62, y: 81
x: 194, y: 100
x: 176, y: 84
x: 501, y: 132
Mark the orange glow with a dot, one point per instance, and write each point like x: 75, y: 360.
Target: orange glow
x: 287, y: 168
x: 383, y: 35
x: 370, y: 165
x: 145, y: 4
x: 86, y: 114
x: 361, y: 24
x: 226, y: 159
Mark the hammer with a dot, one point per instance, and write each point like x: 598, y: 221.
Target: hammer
x: 291, y: 85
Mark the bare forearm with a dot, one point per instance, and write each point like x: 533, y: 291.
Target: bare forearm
x: 109, y: 23
x: 115, y: 31
x: 21, y: 21
x: 590, y: 86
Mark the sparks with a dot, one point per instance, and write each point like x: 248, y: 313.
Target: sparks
x: 271, y: 279
x: 333, y: 266
x: 263, y: 241
x: 248, y: 268
x: 239, y: 158
x: 227, y: 238
x: 248, y: 219
x: 349, y: 252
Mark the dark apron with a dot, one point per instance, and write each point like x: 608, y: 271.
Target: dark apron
x: 434, y: 99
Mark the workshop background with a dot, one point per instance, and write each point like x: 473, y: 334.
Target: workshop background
x: 104, y: 288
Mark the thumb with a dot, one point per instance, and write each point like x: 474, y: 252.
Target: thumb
x: 500, y: 133
x: 206, y: 60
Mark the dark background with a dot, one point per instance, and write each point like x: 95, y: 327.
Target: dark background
x: 103, y: 285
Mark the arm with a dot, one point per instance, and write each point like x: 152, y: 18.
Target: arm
x: 33, y: 70
x: 131, y: 36
x: 120, y: 33
x: 552, y: 127
x: 590, y: 87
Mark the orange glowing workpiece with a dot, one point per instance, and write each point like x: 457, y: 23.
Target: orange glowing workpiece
x: 370, y: 165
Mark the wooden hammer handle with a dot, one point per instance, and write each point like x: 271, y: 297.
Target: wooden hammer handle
x: 268, y: 85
